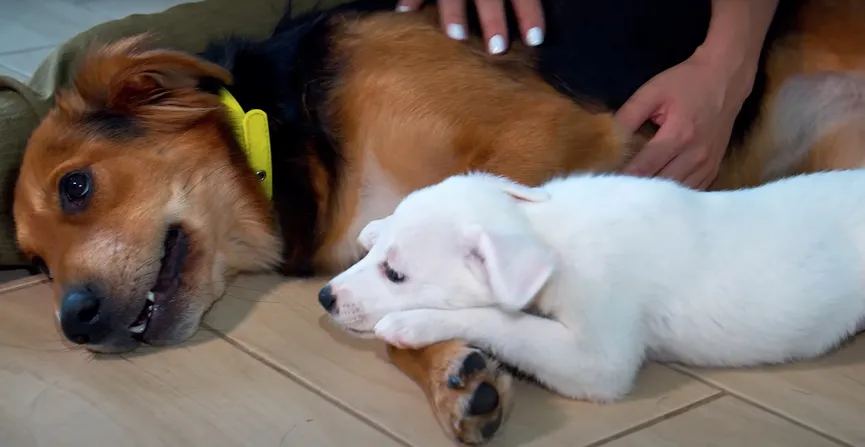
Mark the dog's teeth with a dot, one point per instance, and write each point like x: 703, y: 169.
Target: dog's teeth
x: 138, y: 329
x: 151, y: 297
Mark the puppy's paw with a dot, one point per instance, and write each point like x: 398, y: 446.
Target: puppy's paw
x: 413, y: 329
x: 471, y: 394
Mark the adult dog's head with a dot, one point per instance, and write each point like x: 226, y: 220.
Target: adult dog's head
x: 136, y: 199
x: 465, y: 242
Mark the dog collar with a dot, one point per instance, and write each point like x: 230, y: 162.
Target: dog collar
x: 252, y: 133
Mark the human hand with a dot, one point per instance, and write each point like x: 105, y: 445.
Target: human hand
x: 695, y: 104
x: 491, y: 14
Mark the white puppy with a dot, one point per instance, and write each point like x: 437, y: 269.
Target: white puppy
x: 579, y: 281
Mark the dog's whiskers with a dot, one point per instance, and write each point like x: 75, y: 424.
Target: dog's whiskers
x: 204, y: 178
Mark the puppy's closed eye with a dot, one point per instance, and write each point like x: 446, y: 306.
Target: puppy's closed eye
x: 391, y: 274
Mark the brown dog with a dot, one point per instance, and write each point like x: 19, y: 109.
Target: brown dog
x: 136, y: 197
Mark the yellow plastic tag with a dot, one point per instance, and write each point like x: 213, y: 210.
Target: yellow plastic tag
x: 253, y: 134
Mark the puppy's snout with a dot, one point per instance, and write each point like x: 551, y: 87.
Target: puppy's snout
x: 326, y: 298
x: 81, y: 319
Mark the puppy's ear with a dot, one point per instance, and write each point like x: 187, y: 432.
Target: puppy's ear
x: 526, y: 193
x: 160, y: 86
x: 516, y: 265
x: 369, y: 235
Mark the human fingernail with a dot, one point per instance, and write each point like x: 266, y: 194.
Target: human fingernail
x: 635, y: 171
x: 497, y: 44
x: 403, y: 8
x: 534, y: 37
x: 456, y: 31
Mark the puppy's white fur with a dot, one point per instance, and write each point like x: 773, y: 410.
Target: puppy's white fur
x: 620, y: 269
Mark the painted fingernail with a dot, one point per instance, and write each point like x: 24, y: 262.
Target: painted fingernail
x: 403, y: 8
x: 534, y: 37
x: 456, y: 31
x: 497, y: 44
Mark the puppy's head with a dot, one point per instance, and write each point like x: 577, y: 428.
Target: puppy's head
x: 465, y: 242
x: 136, y: 200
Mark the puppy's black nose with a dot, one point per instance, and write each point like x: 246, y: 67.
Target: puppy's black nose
x: 327, y: 298
x: 80, y: 317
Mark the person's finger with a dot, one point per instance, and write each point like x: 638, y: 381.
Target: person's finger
x: 704, y: 177
x: 638, y: 109
x: 707, y: 164
x: 707, y: 182
x: 690, y: 167
x: 701, y: 178
x: 408, y: 5
x: 491, y: 14
x: 530, y: 15
x: 661, y: 149
x: 452, y: 14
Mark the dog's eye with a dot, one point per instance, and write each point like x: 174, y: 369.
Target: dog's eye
x: 75, y: 191
x: 40, y: 266
x: 392, y: 275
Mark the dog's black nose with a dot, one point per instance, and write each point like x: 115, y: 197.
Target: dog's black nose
x: 327, y: 298
x: 80, y: 317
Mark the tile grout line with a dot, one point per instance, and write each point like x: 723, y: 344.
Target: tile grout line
x: 306, y: 385
x: 13, y: 71
x: 18, y: 284
x: 754, y: 403
x: 801, y: 425
x: 28, y: 49
x: 656, y: 420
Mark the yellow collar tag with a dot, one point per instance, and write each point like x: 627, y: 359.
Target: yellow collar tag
x: 254, y: 137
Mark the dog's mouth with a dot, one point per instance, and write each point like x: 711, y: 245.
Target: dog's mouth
x: 175, y: 252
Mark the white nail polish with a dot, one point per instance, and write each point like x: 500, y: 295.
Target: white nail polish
x: 497, y: 44
x: 403, y: 8
x: 534, y: 37
x: 456, y: 31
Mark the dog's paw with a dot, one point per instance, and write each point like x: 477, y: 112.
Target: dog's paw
x: 471, y: 395
x: 413, y: 329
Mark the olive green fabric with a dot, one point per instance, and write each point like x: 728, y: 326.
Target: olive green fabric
x: 20, y: 110
x: 186, y: 27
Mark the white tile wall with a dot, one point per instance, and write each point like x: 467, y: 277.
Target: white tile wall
x: 24, y: 62
x: 30, y: 29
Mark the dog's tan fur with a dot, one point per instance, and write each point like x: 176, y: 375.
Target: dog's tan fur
x: 504, y: 119
x: 423, y: 108
x: 830, y: 37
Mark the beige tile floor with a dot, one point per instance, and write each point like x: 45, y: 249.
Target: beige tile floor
x: 267, y: 369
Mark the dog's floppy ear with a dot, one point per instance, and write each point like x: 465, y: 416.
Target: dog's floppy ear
x: 516, y: 265
x: 159, y: 86
x: 370, y: 233
x: 526, y: 193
